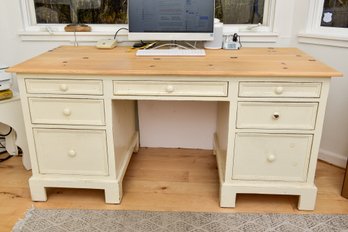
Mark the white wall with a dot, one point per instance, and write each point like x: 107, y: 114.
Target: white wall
x: 290, y: 19
x: 182, y: 124
x: 334, y: 143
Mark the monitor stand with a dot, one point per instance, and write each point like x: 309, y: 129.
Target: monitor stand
x: 171, y: 49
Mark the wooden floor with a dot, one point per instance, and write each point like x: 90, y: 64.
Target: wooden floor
x: 163, y: 180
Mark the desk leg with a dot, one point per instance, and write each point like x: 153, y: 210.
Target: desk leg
x: 113, y: 193
x: 227, y: 196
x: 37, y: 190
x: 307, y: 199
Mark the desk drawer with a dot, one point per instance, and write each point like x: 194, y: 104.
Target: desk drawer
x: 67, y: 111
x: 62, y: 86
x: 276, y: 115
x: 271, y: 157
x: 279, y: 89
x: 171, y: 88
x: 74, y: 152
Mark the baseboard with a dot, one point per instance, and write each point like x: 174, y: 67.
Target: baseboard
x: 333, y: 158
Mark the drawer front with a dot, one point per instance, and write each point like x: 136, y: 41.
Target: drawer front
x: 61, y: 86
x: 279, y: 89
x: 67, y: 111
x: 276, y: 115
x: 171, y: 88
x: 71, y: 152
x: 282, y: 157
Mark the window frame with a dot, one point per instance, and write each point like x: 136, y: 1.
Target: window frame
x: 266, y: 26
x: 316, y: 34
x: 33, y: 31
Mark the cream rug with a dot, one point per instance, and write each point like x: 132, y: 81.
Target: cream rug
x: 52, y: 220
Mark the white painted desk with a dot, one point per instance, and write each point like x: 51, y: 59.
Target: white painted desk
x: 79, y: 105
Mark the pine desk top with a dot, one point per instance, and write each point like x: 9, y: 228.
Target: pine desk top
x: 247, y: 62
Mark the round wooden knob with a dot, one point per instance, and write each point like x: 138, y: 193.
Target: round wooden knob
x: 67, y: 112
x: 72, y: 153
x: 271, y: 158
x: 279, y: 90
x: 170, y: 89
x: 63, y: 87
x: 275, y: 115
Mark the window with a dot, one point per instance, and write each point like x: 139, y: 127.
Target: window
x: 115, y: 11
x: 240, y: 11
x: 327, y: 23
x: 47, y: 18
x: 328, y: 17
x: 81, y: 11
x: 335, y: 13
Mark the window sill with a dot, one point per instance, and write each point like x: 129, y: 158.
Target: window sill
x: 66, y: 36
x: 321, y: 39
x: 258, y: 37
x: 246, y: 37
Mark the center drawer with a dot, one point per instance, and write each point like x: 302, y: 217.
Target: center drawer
x: 71, y: 152
x: 171, y: 88
x: 276, y: 115
x: 67, y: 111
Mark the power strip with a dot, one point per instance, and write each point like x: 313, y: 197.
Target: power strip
x: 106, y: 44
x: 232, y: 42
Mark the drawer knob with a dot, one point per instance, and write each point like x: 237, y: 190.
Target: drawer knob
x: 279, y: 90
x: 170, y: 89
x: 72, y: 153
x: 271, y: 158
x: 63, y: 87
x: 67, y: 112
x: 275, y: 116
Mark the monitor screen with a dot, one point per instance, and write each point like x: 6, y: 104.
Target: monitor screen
x: 171, y: 19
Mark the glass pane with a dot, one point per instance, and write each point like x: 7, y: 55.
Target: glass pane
x: 239, y: 11
x: 115, y: 11
x: 81, y: 11
x: 335, y: 13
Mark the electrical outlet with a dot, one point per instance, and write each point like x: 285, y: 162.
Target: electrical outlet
x: 232, y: 45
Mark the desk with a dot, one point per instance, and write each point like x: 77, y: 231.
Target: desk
x: 79, y: 105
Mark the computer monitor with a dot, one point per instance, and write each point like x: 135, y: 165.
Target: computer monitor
x: 169, y: 20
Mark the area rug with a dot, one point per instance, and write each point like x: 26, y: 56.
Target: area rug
x: 54, y: 220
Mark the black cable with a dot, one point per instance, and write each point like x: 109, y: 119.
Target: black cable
x: 20, y: 151
x: 240, y: 42
x: 7, y: 133
x: 122, y: 28
x: 3, y: 152
x: 139, y: 44
x: 4, y: 159
x: 236, y: 38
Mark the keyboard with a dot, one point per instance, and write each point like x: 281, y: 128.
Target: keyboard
x: 171, y: 52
